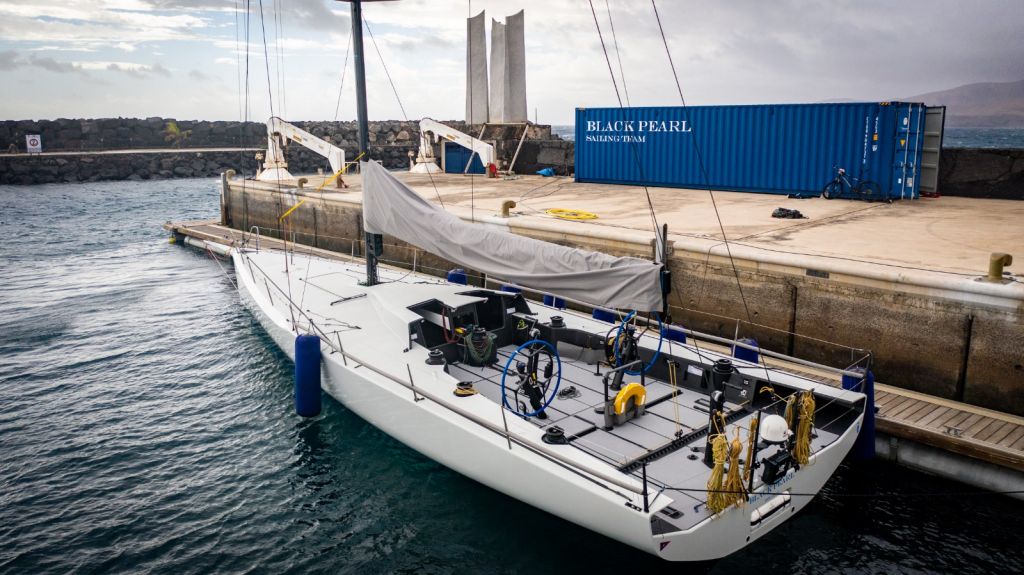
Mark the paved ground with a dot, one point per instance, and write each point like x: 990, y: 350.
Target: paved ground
x: 947, y: 234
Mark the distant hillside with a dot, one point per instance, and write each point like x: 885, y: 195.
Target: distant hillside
x: 982, y: 105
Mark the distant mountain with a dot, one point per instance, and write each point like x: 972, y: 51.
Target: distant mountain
x: 982, y: 105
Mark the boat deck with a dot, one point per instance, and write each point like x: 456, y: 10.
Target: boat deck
x: 670, y: 413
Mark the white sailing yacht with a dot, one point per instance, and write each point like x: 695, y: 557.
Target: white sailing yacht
x: 627, y: 428
x: 605, y: 425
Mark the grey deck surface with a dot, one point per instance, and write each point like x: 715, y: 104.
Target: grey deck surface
x: 683, y: 468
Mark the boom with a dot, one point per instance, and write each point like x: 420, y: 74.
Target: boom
x: 275, y: 167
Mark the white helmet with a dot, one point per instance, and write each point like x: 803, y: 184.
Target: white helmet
x: 774, y: 429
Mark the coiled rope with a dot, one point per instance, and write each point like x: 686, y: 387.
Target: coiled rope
x: 751, y: 439
x: 802, y: 448
x: 479, y: 351
x: 735, y: 493
x: 718, y: 498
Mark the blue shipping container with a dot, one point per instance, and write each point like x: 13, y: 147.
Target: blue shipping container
x: 777, y: 149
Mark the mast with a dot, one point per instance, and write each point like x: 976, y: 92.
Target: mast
x: 374, y: 242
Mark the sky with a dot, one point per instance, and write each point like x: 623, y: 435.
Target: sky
x: 187, y: 59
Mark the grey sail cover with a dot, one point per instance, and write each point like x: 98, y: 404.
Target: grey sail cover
x: 390, y: 207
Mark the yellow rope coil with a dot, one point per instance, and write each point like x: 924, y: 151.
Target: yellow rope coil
x: 790, y: 412
x: 751, y: 438
x: 802, y: 449
x: 716, y: 498
x: 734, y: 492
x: 564, y: 214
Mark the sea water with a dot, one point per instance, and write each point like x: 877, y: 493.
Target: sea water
x: 147, y: 425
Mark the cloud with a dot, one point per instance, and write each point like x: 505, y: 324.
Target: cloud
x: 88, y: 24
x: 306, y: 14
x: 8, y: 60
x: 131, y: 69
x: 51, y: 65
x: 197, y: 75
x: 742, y: 51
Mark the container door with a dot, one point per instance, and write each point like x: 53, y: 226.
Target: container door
x: 907, y: 145
x: 931, y: 150
x: 456, y: 157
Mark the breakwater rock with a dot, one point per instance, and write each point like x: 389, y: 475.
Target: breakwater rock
x: 81, y: 150
x: 82, y: 135
x: 72, y: 167
x: 982, y: 173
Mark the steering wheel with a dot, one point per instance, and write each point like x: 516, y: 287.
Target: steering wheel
x: 548, y: 350
x: 657, y: 352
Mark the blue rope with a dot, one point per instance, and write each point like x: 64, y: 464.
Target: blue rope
x: 508, y: 364
x: 657, y: 352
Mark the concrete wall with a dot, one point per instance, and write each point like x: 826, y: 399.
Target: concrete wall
x: 940, y: 344
x: 982, y: 173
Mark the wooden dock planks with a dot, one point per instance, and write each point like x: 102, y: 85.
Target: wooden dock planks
x: 961, y: 428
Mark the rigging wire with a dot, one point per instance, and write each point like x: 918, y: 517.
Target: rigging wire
x: 700, y: 163
x: 280, y: 206
x: 277, y: 50
x: 242, y: 134
x: 618, y: 56
x: 397, y: 98
x: 469, y: 120
x: 618, y: 96
x: 636, y: 157
x: 238, y: 62
x: 386, y: 73
x: 344, y: 69
x: 707, y: 183
x: 282, y: 95
x: 266, y: 61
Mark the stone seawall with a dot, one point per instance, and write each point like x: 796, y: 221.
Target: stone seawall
x: 155, y: 165
x: 79, y: 135
x: 78, y: 150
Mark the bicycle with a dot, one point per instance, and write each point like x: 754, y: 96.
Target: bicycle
x: 844, y: 184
